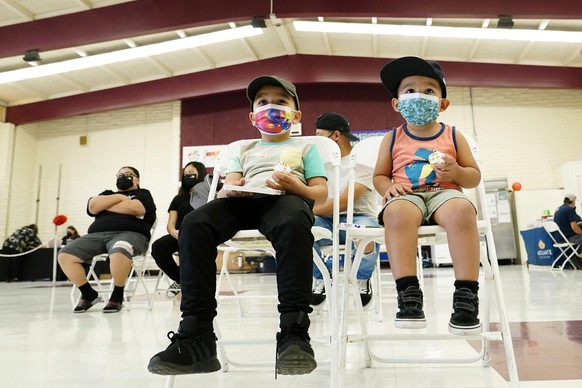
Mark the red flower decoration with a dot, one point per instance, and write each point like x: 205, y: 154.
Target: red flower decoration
x: 60, y: 219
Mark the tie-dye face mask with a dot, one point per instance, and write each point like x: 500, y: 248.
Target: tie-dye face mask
x: 273, y: 119
x: 418, y: 108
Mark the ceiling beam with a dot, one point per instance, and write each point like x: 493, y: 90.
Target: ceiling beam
x: 19, y: 9
x: 145, y: 17
x: 153, y: 16
x: 301, y: 69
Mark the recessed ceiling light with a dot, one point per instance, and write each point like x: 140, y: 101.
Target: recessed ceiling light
x: 441, y: 32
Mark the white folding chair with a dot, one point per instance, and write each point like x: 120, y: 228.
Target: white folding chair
x: 93, y: 278
x: 162, y: 277
x: 568, y: 251
x: 331, y: 157
x: 363, y: 152
x: 139, y: 267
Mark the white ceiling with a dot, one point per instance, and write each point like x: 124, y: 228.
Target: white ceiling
x: 278, y: 40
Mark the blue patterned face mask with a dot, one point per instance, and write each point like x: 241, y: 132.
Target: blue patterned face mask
x: 418, y: 108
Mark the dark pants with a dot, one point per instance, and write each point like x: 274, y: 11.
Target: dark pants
x: 163, y: 250
x: 10, y: 266
x: 285, y: 220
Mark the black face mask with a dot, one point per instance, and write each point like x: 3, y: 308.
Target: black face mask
x: 190, y: 181
x: 125, y: 182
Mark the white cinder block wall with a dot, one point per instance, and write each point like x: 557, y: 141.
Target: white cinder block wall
x: 146, y: 138
x: 523, y: 134
x: 19, y: 165
x: 6, y: 142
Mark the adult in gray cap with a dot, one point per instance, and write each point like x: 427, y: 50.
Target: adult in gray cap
x: 336, y: 127
x: 570, y: 224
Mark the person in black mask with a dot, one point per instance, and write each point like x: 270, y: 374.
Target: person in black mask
x: 192, y: 194
x: 122, y: 227
x: 71, y: 235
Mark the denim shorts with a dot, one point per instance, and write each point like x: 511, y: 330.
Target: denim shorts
x: 86, y: 247
x: 427, y: 202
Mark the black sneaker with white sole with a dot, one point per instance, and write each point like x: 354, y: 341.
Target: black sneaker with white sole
x: 173, y: 289
x: 464, y: 319
x: 365, y: 288
x: 318, y: 293
x: 410, y: 314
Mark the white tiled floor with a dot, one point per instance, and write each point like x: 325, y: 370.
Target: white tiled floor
x: 43, y: 344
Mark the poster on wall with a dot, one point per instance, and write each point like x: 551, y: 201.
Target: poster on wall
x: 207, y: 155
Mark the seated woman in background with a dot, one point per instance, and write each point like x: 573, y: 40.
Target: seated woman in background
x: 71, y: 235
x: 193, y: 193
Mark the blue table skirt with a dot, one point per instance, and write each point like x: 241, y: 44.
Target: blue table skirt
x: 539, y: 246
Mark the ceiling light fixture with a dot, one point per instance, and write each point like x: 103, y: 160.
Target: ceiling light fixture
x: 258, y: 22
x: 505, y: 21
x: 441, y: 32
x: 32, y: 57
x: 128, y: 54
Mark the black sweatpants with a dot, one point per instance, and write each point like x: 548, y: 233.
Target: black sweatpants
x: 163, y: 250
x: 285, y: 220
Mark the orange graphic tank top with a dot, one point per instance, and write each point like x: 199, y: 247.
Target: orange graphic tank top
x: 410, y: 158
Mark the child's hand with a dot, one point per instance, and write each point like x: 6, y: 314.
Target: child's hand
x: 447, y: 170
x: 396, y: 190
x: 281, y: 167
x: 234, y: 193
x: 284, y: 181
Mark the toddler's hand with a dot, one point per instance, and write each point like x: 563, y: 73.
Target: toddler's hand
x: 437, y: 157
x: 396, y: 190
x: 447, y: 170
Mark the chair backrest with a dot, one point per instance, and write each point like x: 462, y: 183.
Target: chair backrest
x: 364, y: 153
x: 555, y: 232
x: 226, y: 154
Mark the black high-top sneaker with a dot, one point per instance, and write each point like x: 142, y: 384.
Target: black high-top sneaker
x: 464, y: 318
x: 410, y: 314
x: 192, y: 350
x: 294, y: 352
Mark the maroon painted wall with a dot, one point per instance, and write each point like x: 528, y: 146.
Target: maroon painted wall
x: 221, y: 119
